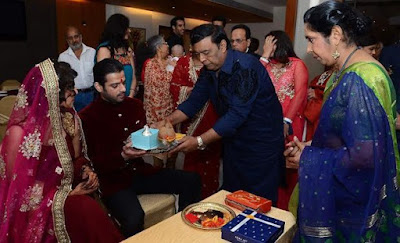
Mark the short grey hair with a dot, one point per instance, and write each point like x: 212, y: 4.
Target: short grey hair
x: 154, y: 42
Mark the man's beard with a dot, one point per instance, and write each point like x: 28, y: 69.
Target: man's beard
x: 113, y: 100
x: 76, y: 46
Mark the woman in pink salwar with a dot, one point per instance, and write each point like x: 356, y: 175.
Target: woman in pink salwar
x: 289, y: 75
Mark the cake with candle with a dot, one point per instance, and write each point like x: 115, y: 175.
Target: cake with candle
x: 145, y: 138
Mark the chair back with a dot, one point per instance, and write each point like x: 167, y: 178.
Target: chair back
x: 6, y: 107
x: 10, y: 84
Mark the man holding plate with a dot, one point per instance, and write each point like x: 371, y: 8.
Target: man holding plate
x: 107, y: 122
x: 251, y: 121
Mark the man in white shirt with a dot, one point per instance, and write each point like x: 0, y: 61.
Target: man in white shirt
x: 81, y: 59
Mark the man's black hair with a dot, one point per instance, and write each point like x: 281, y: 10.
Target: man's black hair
x: 175, y: 19
x: 219, y: 18
x: 104, y: 67
x: 217, y: 34
x: 246, y: 29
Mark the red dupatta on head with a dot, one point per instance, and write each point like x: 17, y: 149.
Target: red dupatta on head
x: 36, y: 170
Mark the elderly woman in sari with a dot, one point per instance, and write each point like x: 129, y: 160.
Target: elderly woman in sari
x: 42, y: 157
x: 157, y: 97
x: 157, y: 100
x: 347, y: 178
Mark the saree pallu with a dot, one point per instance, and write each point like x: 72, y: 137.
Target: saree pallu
x: 347, y: 178
x: 206, y: 162
x: 34, y: 182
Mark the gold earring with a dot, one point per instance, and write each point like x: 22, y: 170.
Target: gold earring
x: 336, y: 54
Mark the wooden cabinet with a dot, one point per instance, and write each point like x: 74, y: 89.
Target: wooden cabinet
x: 88, y: 16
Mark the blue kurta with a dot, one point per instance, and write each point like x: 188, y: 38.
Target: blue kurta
x: 250, y: 123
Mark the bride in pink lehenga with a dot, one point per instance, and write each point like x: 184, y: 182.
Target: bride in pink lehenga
x: 45, y: 176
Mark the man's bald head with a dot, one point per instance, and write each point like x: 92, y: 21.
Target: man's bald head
x: 73, y: 37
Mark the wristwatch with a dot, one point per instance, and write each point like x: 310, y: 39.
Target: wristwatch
x: 200, y: 144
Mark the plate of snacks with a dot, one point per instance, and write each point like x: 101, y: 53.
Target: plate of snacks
x: 207, y: 215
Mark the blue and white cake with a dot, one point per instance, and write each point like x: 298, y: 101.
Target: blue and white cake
x: 145, y: 138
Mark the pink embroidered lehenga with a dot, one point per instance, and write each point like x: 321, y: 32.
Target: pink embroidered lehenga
x: 206, y: 162
x: 37, y: 170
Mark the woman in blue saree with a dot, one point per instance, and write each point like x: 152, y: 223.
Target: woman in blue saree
x: 347, y: 178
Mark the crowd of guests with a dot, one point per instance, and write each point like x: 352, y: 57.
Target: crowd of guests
x: 327, y: 150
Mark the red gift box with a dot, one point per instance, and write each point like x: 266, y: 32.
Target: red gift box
x: 244, y: 200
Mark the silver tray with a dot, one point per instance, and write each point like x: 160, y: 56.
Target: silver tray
x: 162, y: 148
x: 228, y: 213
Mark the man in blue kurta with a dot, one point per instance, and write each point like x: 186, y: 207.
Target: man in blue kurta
x: 250, y: 123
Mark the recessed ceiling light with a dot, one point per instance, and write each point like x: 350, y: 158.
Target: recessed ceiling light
x: 205, y: 14
x: 173, y: 7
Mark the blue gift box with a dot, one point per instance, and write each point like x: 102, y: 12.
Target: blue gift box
x: 252, y: 227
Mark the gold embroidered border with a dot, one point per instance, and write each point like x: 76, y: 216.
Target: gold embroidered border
x: 368, y: 223
x: 183, y: 96
x: 193, y: 71
x: 51, y: 86
x: 199, y: 116
x: 193, y: 126
x: 318, y: 232
x: 83, y: 139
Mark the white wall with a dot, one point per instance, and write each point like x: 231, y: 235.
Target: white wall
x: 151, y: 20
x: 300, y: 43
x: 148, y: 20
x: 259, y: 30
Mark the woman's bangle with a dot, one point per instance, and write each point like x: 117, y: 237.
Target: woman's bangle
x: 287, y: 120
x: 264, y: 59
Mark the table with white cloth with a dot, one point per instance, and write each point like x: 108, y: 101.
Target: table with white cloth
x: 175, y: 230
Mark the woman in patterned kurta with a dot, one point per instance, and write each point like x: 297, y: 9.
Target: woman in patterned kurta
x: 290, y: 78
x: 204, y: 162
x: 44, y: 194
x: 157, y: 97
